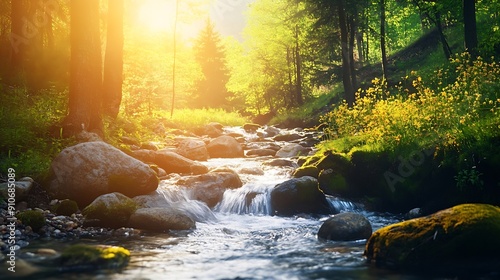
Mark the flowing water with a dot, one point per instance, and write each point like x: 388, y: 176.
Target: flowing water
x: 240, y: 238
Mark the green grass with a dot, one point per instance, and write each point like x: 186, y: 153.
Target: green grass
x: 26, y: 143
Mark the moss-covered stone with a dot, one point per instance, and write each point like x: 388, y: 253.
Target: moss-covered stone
x: 33, y: 218
x: 110, y: 210
x: 65, y: 207
x: 82, y: 256
x: 466, y: 234
x: 310, y: 170
x: 333, y: 183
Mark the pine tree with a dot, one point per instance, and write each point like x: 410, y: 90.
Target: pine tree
x: 210, y: 90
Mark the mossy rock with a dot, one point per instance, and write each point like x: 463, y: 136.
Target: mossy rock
x: 65, y: 207
x: 86, y: 257
x: 110, y: 210
x: 464, y: 237
x: 310, y: 170
x: 333, y: 183
x: 33, y: 218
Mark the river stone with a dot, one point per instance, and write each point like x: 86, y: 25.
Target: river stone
x: 279, y: 162
x: 345, y: 227
x: 308, y: 170
x: 261, y: 152
x: 87, y: 170
x: 287, y: 137
x: 210, y: 187
x: 251, y: 127
x: 193, y: 149
x: 21, y: 186
x: 211, y: 130
x: 110, y: 210
x: 299, y: 195
x: 160, y: 219
x: 462, y: 237
x: 172, y: 162
x: 225, y: 147
x: 292, y: 150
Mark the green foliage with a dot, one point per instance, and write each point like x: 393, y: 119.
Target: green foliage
x: 469, y: 178
x: 210, y: 90
x: 449, y: 116
x: 33, y: 218
x: 28, y: 143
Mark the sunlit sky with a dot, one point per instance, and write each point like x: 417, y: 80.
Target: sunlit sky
x: 228, y: 15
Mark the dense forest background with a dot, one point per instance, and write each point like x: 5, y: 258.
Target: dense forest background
x: 125, y: 67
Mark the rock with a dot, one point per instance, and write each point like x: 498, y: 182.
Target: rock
x: 110, y: 210
x: 193, y: 149
x: 87, y: 170
x: 292, y: 150
x: 225, y: 147
x: 130, y: 141
x: 161, y: 219
x: 65, y: 207
x: 210, y: 187
x: 251, y: 127
x: 281, y: 163
x: 461, y: 238
x: 333, y: 183
x: 345, y: 227
x: 22, y: 187
x: 299, y: 195
x: 271, y: 131
x: 149, y: 146
x: 92, y: 257
x: 85, y: 136
x: 251, y: 171
x: 287, y: 137
x: 263, y: 119
x: 174, y: 163
x: 261, y: 152
x: 33, y: 218
x: 414, y: 213
x: 211, y: 130
x: 307, y: 170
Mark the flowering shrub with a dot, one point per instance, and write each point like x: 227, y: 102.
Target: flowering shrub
x: 461, y: 106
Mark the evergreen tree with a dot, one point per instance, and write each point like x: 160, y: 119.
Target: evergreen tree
x: 210, y: 90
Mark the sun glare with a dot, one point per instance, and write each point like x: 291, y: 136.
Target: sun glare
x: 159, y: 16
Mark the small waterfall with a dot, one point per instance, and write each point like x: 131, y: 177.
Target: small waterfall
x: 342, y: 205
x: 181, y: 198
x: 252, y: 198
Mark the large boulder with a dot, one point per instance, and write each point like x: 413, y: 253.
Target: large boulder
x: 345, y: 227
x: 110, y: 210
x: 299, y: 195
x: 193, y: 149
x: 161, y: 219
x: 225, y: 147
x: 210, y: 187
x: 292, y: 150
x: 87, y: 170
x: 464, y: 237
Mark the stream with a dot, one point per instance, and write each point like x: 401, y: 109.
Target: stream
x: 237, y: 239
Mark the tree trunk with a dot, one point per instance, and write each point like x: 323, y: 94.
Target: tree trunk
x: 17, y: 39
x: 444, y: 43
x: 85, y: 97
x: 298, y: 63
x: 469, y: 12
x: 113, y: 63
x: 382, y: 39
x: 346, y: 69
x: 352, y: 65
